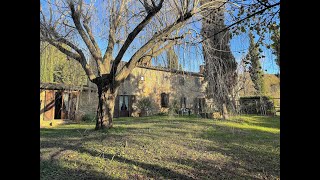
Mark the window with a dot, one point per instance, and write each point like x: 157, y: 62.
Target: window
x: 164, y: 100
x: 123, y: 102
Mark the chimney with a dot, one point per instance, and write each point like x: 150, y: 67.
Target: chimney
x: 201, y: 69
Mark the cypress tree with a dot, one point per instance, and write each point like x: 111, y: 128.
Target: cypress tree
x: 255, y: 69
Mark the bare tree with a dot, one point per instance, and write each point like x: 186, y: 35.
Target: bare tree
x: 72, y: 26
x: 108, y: 31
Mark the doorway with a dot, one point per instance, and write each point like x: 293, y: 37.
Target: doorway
x: 49, y: 102
x: 124, y: 106
x: 58, y: 105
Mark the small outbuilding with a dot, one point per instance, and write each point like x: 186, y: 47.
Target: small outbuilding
x: 59, y: 102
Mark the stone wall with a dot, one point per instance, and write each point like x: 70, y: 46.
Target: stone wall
x: 151, y: 82
x: 88, y: 102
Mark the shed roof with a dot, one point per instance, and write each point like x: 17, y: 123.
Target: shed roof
x: 60, y: 86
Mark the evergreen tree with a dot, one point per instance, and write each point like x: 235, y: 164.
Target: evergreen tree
x: 172, y: 57
x: 255, y: 69
x: 275, y: 46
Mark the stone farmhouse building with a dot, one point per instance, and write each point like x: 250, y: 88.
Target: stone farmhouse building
x: 165, y: 88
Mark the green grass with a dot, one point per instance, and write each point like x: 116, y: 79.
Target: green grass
x: 160, y: 147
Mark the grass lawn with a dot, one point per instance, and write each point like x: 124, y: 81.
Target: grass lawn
x: 160, y: 147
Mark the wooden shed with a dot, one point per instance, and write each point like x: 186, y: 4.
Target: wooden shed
x: 58, y: 101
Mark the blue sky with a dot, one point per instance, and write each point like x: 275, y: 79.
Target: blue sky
x: 239, y: 47
x: 192, y: 58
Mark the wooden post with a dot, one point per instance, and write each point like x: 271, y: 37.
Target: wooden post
x: 78, y: 97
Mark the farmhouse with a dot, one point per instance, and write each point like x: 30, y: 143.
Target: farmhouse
x: 165, y: 88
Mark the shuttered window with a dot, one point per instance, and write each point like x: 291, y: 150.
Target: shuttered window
x: 164, y: 100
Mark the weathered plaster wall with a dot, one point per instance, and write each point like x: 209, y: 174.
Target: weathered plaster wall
x: 154, y: 83
x: 88, y: 102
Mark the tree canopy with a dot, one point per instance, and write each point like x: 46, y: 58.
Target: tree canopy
x: 55, y: 67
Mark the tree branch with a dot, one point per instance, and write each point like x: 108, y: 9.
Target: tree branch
x: 112, y: 33
x: 123, y: 73
x: 76, y: 19
x: 53, y: 38
x: 154, y: 52
x: 89, y: 32
x: 263, y: 3
x: 132, y: 36
x: 251, y: 15
x: 76, y: 57
x: 173, y: 38
x: 101, y: 68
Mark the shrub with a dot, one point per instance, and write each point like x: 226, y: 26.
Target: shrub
x: 145, y: 106
x: 174, y: 107
x: 89, y: 117
x: 256, y: 105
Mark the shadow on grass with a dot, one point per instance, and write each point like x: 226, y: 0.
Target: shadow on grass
x: 67, y: 132
x: 52, y: 170
x: 243, y: 146
x: 156, y: 119
x: 227, y: 141
x: 63, y: 132
x: 209, y: 169
x: 153, y: 170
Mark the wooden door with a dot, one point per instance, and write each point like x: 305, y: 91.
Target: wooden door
x: 49, y: 105
x: 58, y: 106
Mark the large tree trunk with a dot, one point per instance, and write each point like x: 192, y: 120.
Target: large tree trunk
x: 105, y: 109
x: 225, y: 114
